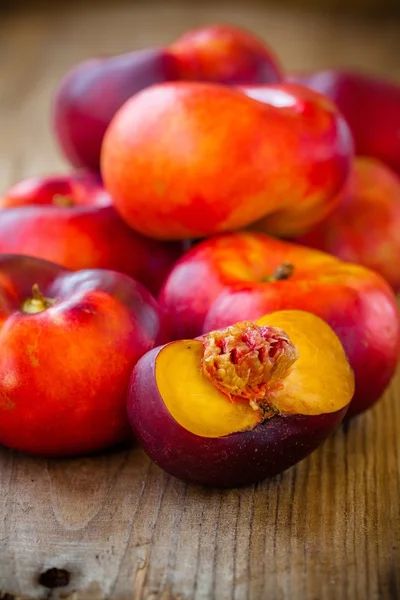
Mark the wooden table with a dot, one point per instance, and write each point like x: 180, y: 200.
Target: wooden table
x: 122, y: 529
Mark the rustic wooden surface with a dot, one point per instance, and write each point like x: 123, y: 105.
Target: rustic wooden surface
x: 328, y: 528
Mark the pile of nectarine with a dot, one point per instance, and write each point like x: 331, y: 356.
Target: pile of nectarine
x: 150, y: 291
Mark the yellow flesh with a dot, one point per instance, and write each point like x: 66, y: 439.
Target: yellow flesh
x: 192, y: 399
x: 321, y: 380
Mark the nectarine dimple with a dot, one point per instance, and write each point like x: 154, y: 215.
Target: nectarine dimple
x: 78, y: 189
x: 242, y: 403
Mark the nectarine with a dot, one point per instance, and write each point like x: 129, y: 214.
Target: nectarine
x: 68, y: 344
x: 243, y: 403
x: 91, y: 93
x: 225, y: 54
x: 243, y: 276
x: 185, y: 160
x: 365, y: 226
x: 369, y: 104
x: 69, y: 220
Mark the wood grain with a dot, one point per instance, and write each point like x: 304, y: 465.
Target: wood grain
x: 328, y: 528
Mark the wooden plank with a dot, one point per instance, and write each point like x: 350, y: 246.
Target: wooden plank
x: 328, y: 528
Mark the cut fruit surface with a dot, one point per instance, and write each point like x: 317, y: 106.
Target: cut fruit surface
x: 321, y: 380
x: 316, y: 379
x: 192, y: 399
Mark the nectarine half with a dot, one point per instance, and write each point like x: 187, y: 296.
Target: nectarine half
x: 243, y: 403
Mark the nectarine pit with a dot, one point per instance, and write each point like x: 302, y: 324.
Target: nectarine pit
x: 247, y: 362
x: 37, y: 302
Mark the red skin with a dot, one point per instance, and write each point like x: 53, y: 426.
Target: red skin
x: 219, y: 283
x: 89, y: 234
x: 166, y: 164
x: 365, y: 227
x: 64, y: 372
x: 237, y: 459
x: 92, y: 92
x: 370, y: 106
x: 83, y: 189
x: 225, y: 54
x: 322, y: 124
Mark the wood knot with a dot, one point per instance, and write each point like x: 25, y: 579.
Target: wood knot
x: 6, y: 596
x: 54, y: 578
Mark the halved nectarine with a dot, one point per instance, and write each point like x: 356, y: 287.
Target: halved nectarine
x: 242, y: 403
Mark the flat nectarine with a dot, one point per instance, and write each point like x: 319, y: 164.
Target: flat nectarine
x: 370, y: 106
x: 243, y: 276
x: 243, y: 403
x: 185, y: 160
x: 69, y: 220
x: 68, y: 344
x: 224, y: 54
x: 364, y: 228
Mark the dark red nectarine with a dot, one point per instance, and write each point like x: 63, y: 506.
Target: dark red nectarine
x: 370, y: 106
x: 91, y: 93
x: 243, y: 403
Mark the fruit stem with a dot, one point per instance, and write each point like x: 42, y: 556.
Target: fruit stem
x: 62, y: 200
x: 247, y: 362
x: 283, y: 271
x: 37, y: 303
